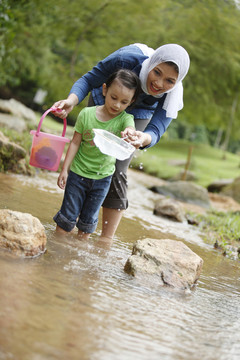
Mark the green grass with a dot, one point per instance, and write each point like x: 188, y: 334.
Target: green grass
x: 222, y: 230
x: 207, y: 163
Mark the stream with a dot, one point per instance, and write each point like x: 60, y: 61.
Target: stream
x: 76, y: 302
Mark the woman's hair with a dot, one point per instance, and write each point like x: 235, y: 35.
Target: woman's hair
x: 128, y: 79
x: 171, y: 63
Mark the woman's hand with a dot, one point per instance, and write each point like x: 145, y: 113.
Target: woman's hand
x: 65, y: 106
x: 136, y: 138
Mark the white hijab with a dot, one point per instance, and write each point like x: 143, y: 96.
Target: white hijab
x: 169, y: 52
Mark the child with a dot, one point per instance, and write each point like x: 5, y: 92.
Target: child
x: 86, y: 173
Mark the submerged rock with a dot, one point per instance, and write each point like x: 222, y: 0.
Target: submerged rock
x: 172, y: 262
x: 22, y: 233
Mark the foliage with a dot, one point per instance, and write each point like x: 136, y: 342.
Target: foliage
x: 8, y: 49
x: 23, y: 139
x: 50, y: 44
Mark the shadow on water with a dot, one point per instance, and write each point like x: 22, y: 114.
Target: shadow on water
x: 76, y: 302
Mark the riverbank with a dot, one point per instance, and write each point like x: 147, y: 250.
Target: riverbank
x: 213, y: 223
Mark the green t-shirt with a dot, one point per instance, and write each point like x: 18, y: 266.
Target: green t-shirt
x: 89, y: 161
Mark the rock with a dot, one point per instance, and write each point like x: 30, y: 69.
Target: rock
x: 12, y: 122
x: 169, y: 262
x: 185, y: 191
x: 169, y: 208
x: 223, y: 202
x: 233, y: 190
x: 217, y: 186
x: 10, y: 153
x: 18, y: 109
x: 21, y: 233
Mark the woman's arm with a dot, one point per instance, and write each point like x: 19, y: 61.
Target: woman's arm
x: 72, y: 151
x: 66, y: 105
x: 127, y: 57
x: 157, y: 126
x: 153, y: 132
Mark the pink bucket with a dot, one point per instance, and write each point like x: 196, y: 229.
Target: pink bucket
x: 47, y: 149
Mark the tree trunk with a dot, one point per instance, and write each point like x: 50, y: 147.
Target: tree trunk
x: 218, y: 138
x: 229, y: 128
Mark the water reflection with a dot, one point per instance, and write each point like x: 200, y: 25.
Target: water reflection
x: 76, y: 302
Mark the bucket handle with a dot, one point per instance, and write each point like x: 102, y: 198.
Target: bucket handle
x: 43, y: 116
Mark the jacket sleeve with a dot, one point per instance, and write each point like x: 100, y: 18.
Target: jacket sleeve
x: 99, y: 74
x: 157, y: 125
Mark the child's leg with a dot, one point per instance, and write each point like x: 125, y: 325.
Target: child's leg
x: 88, y: 218
x: 74, y: 196
x: 60, y: 230
x: 82, y: 235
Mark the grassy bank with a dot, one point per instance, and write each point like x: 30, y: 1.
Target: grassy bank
x: 168, y: 158
x: 222, y: 231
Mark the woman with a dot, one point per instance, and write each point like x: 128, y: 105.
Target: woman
x: 161, y: 72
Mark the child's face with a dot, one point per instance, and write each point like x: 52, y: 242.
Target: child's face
x: 117, y: 97
x: 161, y: 79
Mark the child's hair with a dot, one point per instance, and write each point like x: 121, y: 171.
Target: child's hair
x: 127, y: 78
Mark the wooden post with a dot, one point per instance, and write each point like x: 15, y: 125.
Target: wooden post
x: 184, y: 175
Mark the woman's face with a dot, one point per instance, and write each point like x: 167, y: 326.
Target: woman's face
x: 162, y: 78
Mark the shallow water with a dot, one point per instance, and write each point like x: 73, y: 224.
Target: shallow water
x: 76, y: 302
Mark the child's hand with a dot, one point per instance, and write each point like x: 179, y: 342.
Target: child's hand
x: 62, y: 179
x: 136, y: 138
x: 133, y: 137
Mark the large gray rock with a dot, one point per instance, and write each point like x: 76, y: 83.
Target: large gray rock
x: 185, y: 191
x: 12, y: 122
x: 171, y: 262
x: 21, y: 233
x: 18, y: 109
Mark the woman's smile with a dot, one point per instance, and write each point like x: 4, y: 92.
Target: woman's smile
x: 155, y: 89
x: 161, y: 79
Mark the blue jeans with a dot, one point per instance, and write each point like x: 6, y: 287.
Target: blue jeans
x: 82, y: 200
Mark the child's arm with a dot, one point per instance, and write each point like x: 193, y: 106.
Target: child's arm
x: 128, y: 130
x: 72, y: 150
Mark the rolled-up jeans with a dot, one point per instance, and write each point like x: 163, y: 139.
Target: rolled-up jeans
x: 82, y: 201
x: 117, y: 194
